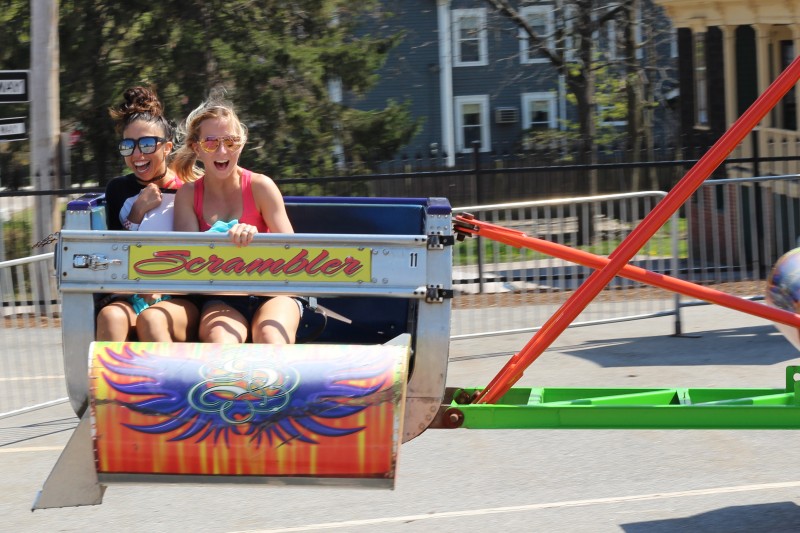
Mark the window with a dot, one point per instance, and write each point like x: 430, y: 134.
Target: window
x: 610, y: 115
x: 469, y: 36
x: 700, y: 80
x: 472, y: 122
x: 673, y: 43
x: 540, y: 19
x: 611, y: 41
x: 538, y: 111
x: 638, y: 38
x: 570, y: 15
x: 788, y: 111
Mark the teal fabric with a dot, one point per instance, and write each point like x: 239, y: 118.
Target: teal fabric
x: 139, y: 304
x: 222, y: 227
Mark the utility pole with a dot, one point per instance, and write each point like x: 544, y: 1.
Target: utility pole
x: 45, y: 134
x: 45, y: 115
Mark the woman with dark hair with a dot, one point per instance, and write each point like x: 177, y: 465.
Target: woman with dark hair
x: 143, y: 200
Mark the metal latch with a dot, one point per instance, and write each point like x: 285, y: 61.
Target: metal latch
x: 93, y: 261
x: 437, y: 293
x: 438, y: 242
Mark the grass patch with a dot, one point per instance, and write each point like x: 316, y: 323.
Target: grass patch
x: 660, y: 245
x: 17, y: 234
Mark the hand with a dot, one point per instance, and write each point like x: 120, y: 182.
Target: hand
x: 149, y: 198
x: 242, y: 234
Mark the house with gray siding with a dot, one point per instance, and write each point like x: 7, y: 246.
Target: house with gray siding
x: 471, y: 75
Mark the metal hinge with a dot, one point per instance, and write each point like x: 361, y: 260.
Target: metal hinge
x: 437, y: 294
x: 438, y: 242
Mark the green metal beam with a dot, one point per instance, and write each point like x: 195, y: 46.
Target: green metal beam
x: 630, y: 408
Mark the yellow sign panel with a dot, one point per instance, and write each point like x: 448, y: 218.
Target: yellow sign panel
x: 228, y: 263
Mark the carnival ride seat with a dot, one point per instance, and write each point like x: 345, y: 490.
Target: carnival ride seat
x: 372, y: 377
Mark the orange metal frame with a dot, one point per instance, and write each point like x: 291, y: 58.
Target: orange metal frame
x: 618, y: 259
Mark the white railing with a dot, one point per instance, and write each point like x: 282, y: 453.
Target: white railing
x: 501, y: 289
x: 728, y: 234
x: 31, y: 368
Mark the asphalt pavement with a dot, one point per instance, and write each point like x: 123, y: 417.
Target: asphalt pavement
x: 520, y: 480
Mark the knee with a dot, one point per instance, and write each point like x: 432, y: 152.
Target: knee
x: 273, y: 338
x: 111, y: 315
x: 150, y: 325
x: 220, y: 323
x: 276, y: 321
x: 222, y: 331
x: 113, y: 323
x: 221, y: 335
x: 274, y: 332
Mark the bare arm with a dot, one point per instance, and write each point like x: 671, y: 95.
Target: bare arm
x: 185, y: 218
x: 270, y: 202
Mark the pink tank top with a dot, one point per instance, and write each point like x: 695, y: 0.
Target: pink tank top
x: 174, y: 183
x: 250, y: 212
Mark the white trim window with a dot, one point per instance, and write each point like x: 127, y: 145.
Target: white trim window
x: 470, y: 47
x: 673, y: 43
x: 603, y: 111
x: 638, y: 36
x: 610, y: 41
x: 539, y: 111
x: 540, y: 19
x: 472, y: 122
x: 700, y: 80
x: 570, y: 14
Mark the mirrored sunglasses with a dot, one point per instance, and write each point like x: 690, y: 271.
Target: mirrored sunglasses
x: 211, y: 144
x: 147, y: 145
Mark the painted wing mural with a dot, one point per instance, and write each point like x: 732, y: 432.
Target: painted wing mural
x: 238, y: 397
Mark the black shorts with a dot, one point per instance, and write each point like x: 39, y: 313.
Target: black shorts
x: 246, y: 305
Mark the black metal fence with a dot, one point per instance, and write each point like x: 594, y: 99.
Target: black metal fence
x: 477, y: 178
x: 505, y: 172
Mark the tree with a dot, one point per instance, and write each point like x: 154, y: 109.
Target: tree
x: 94, y: 72
x: 15, y: 54
x: 578, y: 20
x: 276, y: 59
x: 577, y: 56
x: 591, y: 57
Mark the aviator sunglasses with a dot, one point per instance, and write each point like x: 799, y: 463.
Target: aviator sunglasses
x: 211, y: 144
x: 147, y: 145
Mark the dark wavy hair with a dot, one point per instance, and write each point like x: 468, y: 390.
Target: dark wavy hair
x: 141, y: 103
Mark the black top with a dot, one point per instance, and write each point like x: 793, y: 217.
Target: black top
x: 118, y: 190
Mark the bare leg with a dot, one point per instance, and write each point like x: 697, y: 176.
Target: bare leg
x: 115, y: 322
x: 221, y: 323
x: 173, y: 320
x: 276, y: 321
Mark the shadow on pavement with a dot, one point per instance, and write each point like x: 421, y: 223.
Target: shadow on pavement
x: 755, y: 345
x: 776, y: 517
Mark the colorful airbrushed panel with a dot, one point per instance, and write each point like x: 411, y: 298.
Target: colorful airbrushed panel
x: 330, y: 411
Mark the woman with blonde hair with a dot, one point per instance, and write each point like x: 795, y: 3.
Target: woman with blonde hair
x: 223, y: 194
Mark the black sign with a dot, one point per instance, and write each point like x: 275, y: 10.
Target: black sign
x: 14, y: 86
x: 13, y: 129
